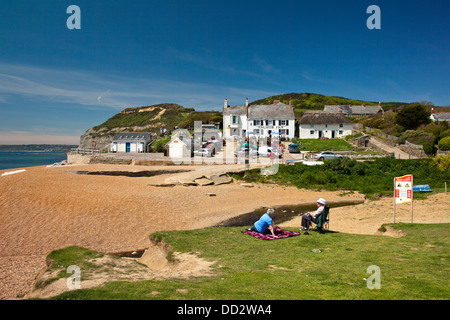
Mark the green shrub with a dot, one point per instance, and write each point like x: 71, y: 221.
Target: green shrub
x: 444, y: 144
x: 442, y: 162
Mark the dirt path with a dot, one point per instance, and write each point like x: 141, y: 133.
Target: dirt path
x: 44, y: 209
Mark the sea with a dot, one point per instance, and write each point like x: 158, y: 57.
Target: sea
x: 18, y: 160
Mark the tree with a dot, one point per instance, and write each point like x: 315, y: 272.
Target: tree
x: 412, y: 116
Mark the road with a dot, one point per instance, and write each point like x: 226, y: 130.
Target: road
x: 399, y: 154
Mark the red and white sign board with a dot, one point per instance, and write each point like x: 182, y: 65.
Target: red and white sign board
x: 403, y: 187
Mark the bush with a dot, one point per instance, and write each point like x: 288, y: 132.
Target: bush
x: 444, y: 144
x: 442, y: 162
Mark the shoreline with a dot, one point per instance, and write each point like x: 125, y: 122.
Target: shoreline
x: 48, y: 208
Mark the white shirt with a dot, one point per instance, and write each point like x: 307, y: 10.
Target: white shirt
x: 318, y: 211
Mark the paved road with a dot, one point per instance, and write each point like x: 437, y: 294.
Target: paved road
x: 399, y: 154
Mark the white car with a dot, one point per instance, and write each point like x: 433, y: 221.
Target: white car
x: 265, y: 151
x: 203, y: 152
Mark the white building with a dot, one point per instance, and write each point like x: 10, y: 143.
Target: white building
x: 323, y: 124
x: 133, y: 142
x: 258, y: 120
x: 439, y: 117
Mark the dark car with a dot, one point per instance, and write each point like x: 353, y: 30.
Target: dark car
x: 293, y: 148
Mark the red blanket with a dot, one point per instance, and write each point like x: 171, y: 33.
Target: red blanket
x: 279, y: 234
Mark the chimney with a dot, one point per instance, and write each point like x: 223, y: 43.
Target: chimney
x: 290, y: 102
x: 225, y: 104
x: 432, y: 110
x: 276, y: 101
x: 246, y: 107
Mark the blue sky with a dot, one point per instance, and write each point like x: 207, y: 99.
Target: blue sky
x: 56, y: 83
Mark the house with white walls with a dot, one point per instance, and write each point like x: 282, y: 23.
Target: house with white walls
x: 258, y: 120
x: 324, y: 124
x: 131, y: 142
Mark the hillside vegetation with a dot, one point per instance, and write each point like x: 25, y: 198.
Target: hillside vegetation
x: 312, y: 101
x: 372, y: 178
x: 151, y: 118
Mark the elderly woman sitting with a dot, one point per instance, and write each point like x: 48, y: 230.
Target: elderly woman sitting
x: 312, y: 216
x: 264, y: 223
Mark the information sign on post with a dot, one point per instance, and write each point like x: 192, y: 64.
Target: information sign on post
x: 403, y: 191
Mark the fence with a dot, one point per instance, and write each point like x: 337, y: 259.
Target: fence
x: 84, y: 151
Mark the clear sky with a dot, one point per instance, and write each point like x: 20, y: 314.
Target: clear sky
x: 55, y: 83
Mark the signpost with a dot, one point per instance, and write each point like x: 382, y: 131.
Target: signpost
x: 403, y: 191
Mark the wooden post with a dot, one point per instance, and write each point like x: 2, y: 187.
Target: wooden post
x: 412, y: 197
x: 394, y: 200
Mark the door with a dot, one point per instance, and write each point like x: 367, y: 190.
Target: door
x: 127, y: 147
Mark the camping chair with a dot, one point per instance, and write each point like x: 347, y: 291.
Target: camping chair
x: 323, y: 220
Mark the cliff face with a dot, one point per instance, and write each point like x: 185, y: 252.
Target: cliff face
x: 144, y: 119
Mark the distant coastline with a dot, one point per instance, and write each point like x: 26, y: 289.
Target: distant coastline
x: 38, y: 148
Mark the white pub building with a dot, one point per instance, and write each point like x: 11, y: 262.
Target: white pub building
x: 258, y: 120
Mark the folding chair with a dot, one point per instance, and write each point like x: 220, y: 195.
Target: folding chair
x: 323, y: 220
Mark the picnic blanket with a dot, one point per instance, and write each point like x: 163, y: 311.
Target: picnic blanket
x: 279, y: 234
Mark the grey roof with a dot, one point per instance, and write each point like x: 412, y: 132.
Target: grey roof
x: 279, y: 111
x: 443, y: 116
x: 235, y: 110
x: 366, y: 110
x: 324, y: 117
x: 339, y: 108
x: 133, y: 136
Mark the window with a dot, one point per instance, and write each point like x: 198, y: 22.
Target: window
x: 269, y: 122
x: 234, y: 119
x: 256, y: 131
x: 311, y: 132
x: 341, y: 131
x: 341, y: 125
x: 257, y: 122
x: 283, y: 123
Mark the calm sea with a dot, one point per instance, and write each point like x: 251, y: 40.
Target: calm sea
x: 13, y: 160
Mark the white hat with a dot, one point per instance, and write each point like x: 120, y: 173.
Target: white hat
x: 322, y: 201
x: 270, y: 211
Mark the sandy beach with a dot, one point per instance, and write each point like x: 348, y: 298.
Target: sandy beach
x: 47, y: 208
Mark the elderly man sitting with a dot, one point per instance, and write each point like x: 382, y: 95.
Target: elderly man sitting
x: 312, y: 216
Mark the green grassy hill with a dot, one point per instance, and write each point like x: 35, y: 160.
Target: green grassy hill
x: 312, y: 101
x: 151, y: 118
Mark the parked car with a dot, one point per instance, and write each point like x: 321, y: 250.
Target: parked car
x: 203, y: 152
x: 265, y: 151
x: 293, y: 148
x: 245, y: 152
x: 327, y: 155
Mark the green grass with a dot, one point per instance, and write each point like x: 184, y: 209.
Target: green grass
x: 325, y: 144
x: 412, y: 267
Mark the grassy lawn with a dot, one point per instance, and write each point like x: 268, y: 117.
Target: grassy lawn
x: 325, y: 144
x: 316, y: 266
